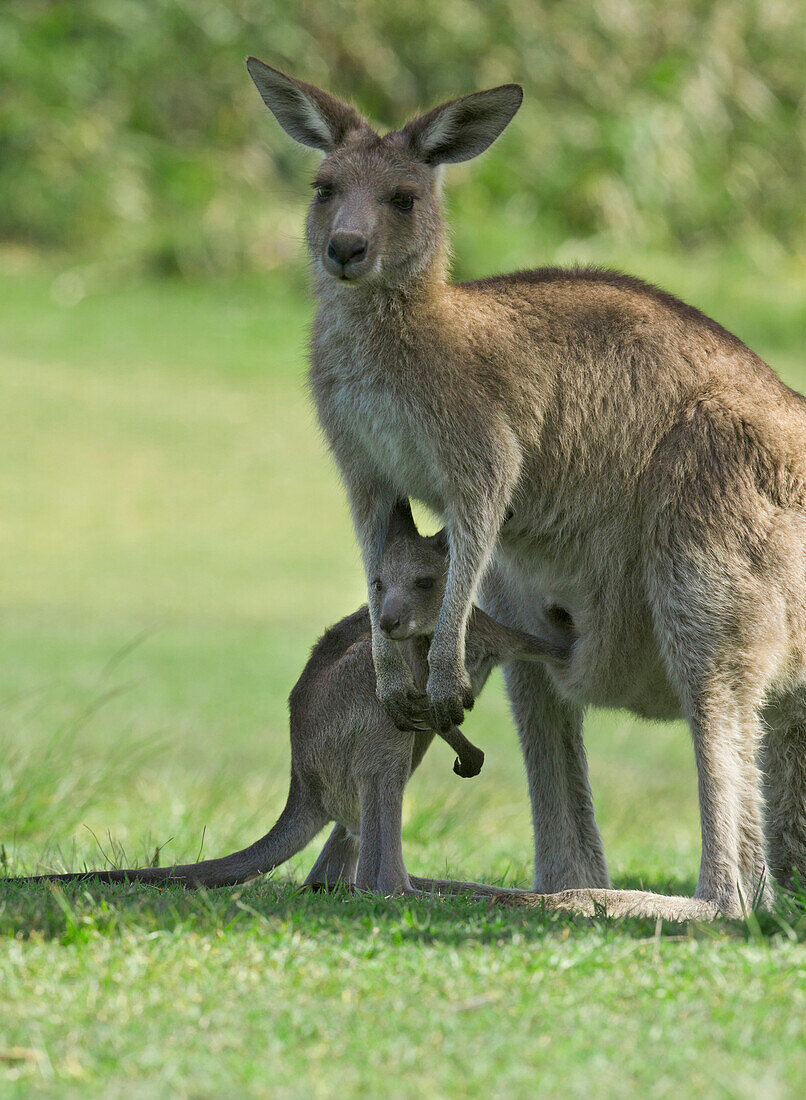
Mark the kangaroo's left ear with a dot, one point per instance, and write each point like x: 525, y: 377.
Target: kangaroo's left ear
x: 463, y: 128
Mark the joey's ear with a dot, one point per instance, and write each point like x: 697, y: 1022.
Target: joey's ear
x: 306, y: 113
x: 463, y: 128
x: 401, y: 521
x: 440, y: 541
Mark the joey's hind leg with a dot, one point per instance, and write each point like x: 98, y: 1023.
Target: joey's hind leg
x: 783, y: 765
x: 469, y: 759
x: 568, y: 847
x: 369, y: 849
x: 380, y: 859
x: 337, y: 861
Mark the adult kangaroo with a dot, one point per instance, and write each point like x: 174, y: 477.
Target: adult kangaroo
x: 599, y: 451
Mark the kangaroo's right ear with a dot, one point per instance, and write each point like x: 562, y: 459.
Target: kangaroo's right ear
x: 306, y: 113
x: 463, y: 128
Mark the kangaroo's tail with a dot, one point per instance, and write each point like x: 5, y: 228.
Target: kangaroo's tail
x: 296, y: 826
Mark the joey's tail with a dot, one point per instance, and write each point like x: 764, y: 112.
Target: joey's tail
x: 298, y: 824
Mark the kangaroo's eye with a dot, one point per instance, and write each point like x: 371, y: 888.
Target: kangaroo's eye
x: 402, y: 200
x: 323, y: 192
x: 376, y: 584
x: 424, y: 583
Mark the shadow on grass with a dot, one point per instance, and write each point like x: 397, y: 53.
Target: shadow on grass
x: 74, y: 913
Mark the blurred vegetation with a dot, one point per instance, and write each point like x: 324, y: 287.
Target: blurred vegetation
x: 130, y: 132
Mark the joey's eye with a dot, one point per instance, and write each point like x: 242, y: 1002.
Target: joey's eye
x: 402, y: 200
x: 424, y: 583
x: 323, y: 192
x: 376, y: 584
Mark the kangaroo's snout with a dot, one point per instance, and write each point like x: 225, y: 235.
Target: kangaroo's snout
x: 345, y: 251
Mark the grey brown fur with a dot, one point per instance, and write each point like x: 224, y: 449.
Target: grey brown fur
x: 349, y: 763
x: 591, y: 443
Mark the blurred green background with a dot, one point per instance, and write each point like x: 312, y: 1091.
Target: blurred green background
x: 173, y: 539
x: 129, y: 132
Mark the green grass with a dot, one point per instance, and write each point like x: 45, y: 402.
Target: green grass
x: 173, y: 540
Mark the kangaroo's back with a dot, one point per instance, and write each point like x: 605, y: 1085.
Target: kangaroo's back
x: 600, y: 353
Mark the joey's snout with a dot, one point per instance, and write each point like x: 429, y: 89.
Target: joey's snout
x: 345, y: 253
x: 399, y: 617
x: 391, y: 625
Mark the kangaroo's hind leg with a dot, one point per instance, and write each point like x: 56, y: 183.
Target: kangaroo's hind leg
x: 782, y: 757
x: 338, y: 860
x: 725, y: 737
x: 568, y: 847
x: 722, y: 676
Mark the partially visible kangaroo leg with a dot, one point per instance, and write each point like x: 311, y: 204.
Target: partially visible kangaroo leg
x: 338, y: 860
x: 296, y: 826
x: 783, y: 763
x: 568, y: 847
x: 759, y: 884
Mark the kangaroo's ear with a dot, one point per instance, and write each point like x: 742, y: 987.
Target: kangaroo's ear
x: 401, y: 521
x: 463, y: 128
x: 306, y: 113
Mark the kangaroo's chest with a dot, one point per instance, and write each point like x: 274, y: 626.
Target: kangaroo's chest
x: 381, y: 428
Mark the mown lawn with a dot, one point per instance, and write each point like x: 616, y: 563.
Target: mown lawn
x: 173, y: 539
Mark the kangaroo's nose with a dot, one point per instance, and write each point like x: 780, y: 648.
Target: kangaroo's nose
x: 345, y: 248
x: 388, y: 623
